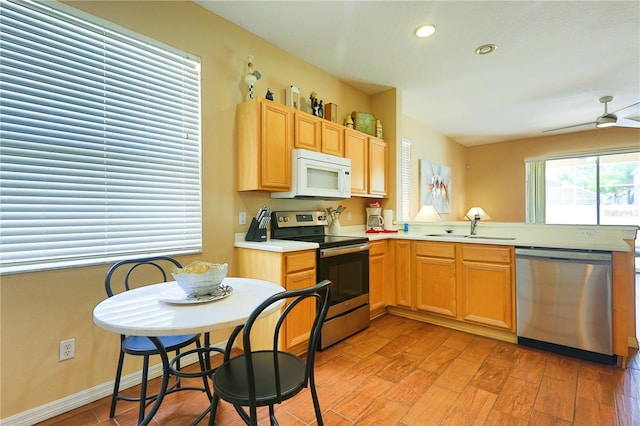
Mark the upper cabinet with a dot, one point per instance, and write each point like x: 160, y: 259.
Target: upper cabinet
x: 316, y: 134
x: 307, y: 131
x: 332, y: 138
x: 268, y: 131
x: 264, y: 145
x: 369, y: 168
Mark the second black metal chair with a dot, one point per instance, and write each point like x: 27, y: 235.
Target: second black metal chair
x: 267, y: 377
x: 122, y: 272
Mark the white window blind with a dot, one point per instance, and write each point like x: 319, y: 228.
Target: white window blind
x: 405, y: 181
x: 100, y: 142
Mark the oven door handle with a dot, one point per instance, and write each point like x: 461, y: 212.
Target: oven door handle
x: 337, y: 251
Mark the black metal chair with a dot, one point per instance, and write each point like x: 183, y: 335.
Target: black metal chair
x: 268, y: 377
x: 142, y: 346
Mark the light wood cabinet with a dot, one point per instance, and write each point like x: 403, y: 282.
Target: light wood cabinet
x: 472, y: 283
x: 307, y: 131
x: 291, y: 270
x: 377, y: 275
x: 356, y: 149
x: 332, y: 138
x: 300, y: 272
x: 369, y: 164
x: 378, y: 155
x: 316, y: 134
x: 435, y: 278
x: 264, y: 145
x: 487, y: 285
x: 403, y: 285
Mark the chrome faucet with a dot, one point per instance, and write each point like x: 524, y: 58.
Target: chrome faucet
x: 474, y: 224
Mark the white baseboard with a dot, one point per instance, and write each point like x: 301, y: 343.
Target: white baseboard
x: 71, y: 402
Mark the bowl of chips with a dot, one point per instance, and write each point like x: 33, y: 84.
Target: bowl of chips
x: 200, y: 278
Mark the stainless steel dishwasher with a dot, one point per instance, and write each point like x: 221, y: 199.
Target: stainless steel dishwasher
x: 563, y: 302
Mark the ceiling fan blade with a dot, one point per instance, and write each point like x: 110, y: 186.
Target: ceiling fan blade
x: 627, y: 122
x: 570, y: 127
x: 629, y: 110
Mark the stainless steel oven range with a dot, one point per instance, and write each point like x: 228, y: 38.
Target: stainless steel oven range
x: 343, y: 260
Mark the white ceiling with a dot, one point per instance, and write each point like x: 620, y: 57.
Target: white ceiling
x: 554, y: 60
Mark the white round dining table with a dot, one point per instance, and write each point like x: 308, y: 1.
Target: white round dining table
x: 163, y: 310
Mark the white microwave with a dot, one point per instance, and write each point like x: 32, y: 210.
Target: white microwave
x: 318, y: 175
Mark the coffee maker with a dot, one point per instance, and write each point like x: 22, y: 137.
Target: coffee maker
x: 375, y: 222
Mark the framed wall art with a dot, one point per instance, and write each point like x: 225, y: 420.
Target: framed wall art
x: 435, y: 186
x: 292, y: 97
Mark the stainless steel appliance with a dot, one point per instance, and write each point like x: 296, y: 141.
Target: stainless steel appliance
x: 564, y: 302
x: 343, y: 260
x: 318, y: 175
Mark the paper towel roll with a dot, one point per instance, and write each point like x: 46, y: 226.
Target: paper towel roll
x: 387, y: 215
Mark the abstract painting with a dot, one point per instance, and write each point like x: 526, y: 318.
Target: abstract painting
x: 435, y: 186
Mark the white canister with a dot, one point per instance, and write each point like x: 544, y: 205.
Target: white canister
x: 387, y: 215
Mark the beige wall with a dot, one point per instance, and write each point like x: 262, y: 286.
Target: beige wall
x: 37, y: 310
x: 436, y: 148
x: 495, y: 179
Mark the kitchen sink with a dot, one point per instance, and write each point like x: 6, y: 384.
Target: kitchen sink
x: 483, y: 237
x: 447, y: 235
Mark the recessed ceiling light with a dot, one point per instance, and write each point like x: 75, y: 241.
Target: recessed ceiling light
x: 485, y: 49
x: 425, y: 31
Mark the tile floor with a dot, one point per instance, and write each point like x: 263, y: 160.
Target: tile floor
x: 404, y: 372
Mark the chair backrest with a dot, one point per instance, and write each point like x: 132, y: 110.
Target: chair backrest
x: 148, y: 270
x: 321, y: 294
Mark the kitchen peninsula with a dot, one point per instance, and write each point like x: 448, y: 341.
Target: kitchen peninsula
x: 438, y: 273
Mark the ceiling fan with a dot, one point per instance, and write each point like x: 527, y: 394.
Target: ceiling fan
x: 608, y: 119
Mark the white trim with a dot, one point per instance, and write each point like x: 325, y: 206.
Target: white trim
x: 84, y: 397
x: 584, y: 154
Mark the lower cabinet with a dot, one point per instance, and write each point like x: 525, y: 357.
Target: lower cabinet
x: 403, y: 285
x: 435, y: 278
x: 292, y: 270
x: 377, y: 275
x: 487, y: 285
x: 472, y: 283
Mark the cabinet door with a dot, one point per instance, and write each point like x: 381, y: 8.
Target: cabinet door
x: 275, y: 148
x: 488, y: 294
x: 332, y: 138
x: 307, y: 130
x: 356, y: 147
x: 377, y: 167
x: 377, y: 275
x: 403, y: 282
x: 298, y: 323
x: 436, y: 285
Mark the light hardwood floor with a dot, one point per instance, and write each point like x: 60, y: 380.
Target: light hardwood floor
x: 404, y: 372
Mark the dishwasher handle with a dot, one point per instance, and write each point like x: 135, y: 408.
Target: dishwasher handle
x: 558, y: 254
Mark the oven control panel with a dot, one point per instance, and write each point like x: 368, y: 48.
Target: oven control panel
x: 287, y: 219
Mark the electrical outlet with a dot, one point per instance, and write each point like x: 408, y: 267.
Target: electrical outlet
x: 242, y: 218
x: 349, y: 216
x: 67, y: 349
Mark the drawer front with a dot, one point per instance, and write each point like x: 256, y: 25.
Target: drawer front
x: 300, y: 261
x: 377, y: 248
x: 484, y: 253
x: 430, y: 249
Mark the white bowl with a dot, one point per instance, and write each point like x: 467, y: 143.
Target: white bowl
x: 200, y: 278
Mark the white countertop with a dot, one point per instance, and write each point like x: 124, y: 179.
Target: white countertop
x: 583, y: 237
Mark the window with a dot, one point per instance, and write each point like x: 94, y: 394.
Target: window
x: 100, y: 153
x: 596, y: 189
x: 405, y: 181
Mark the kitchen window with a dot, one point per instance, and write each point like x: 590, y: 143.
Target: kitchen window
x: 100, y: 153
x: 595, y: 189
x: 405, y: 181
